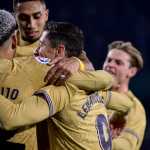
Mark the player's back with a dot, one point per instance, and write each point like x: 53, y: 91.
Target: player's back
x: 25, y: 76
x: 79, y: 121
x: 81, y: 124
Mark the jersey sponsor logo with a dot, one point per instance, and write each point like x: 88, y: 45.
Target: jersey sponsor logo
x: 91, y: 100
x: 9, y: 92
x: 103, y: 132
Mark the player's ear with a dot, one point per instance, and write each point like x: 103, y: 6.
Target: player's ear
x: 14, y: 41
x: 133, y: 71
x: 46, y: 14
x: 61, y: 50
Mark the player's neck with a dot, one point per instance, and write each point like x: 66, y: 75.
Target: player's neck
x: 21, y: 42
x: 122, y: 88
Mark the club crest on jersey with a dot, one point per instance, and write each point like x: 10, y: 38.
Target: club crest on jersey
x: 42, y: 60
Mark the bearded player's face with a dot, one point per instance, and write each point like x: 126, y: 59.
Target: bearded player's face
x: 31, y: 17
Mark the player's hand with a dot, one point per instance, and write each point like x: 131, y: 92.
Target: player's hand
x: 117, y: 124
x: 62, y: 70
x: 115, y: 132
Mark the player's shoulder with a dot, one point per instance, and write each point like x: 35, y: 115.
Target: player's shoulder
x: 25, y: 60
x: 137, y: 102
x: 26, y: 63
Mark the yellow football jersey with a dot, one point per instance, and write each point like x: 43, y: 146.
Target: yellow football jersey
x: 21, y: 77
x: 132, y: 136
x: 24, y: 48
x: 27, y: 50
x: 18, y: 82
x: 78, y: 121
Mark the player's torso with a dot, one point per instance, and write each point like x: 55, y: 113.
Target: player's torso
x: 22, y: 82
x: 81, y: 125
x: 26, y: 77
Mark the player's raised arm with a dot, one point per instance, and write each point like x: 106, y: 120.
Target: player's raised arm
x: 92, y: 80
x: 129, y: 140
x: 116, y: 101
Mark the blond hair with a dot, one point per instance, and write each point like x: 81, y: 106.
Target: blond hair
x: 127, y: 47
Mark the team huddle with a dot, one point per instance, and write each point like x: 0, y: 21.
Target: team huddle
x: 52, y: 98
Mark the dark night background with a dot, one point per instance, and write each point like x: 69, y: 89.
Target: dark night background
x: 104, y: 21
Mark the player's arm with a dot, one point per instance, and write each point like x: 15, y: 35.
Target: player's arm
x: 34, y: 109
x: 126, y: 141
x: 67, y: 67
x: 92, y: 80
x: 116, y: 101
x: 133, y: 133
x: 29, y: 111
x: 132, y: 137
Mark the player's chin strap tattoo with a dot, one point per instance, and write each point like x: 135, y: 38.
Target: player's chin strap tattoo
x: 6, y: 145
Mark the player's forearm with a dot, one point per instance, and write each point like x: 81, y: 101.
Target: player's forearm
x: 125, y: 142
x: 92, y: 80
x: 27, y: 112
x: 117, y: 101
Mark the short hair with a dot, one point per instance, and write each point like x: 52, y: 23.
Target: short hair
x: 127, y: 47
x: 15, y: 2
x: 7, y: 25
x: 68, y: 34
